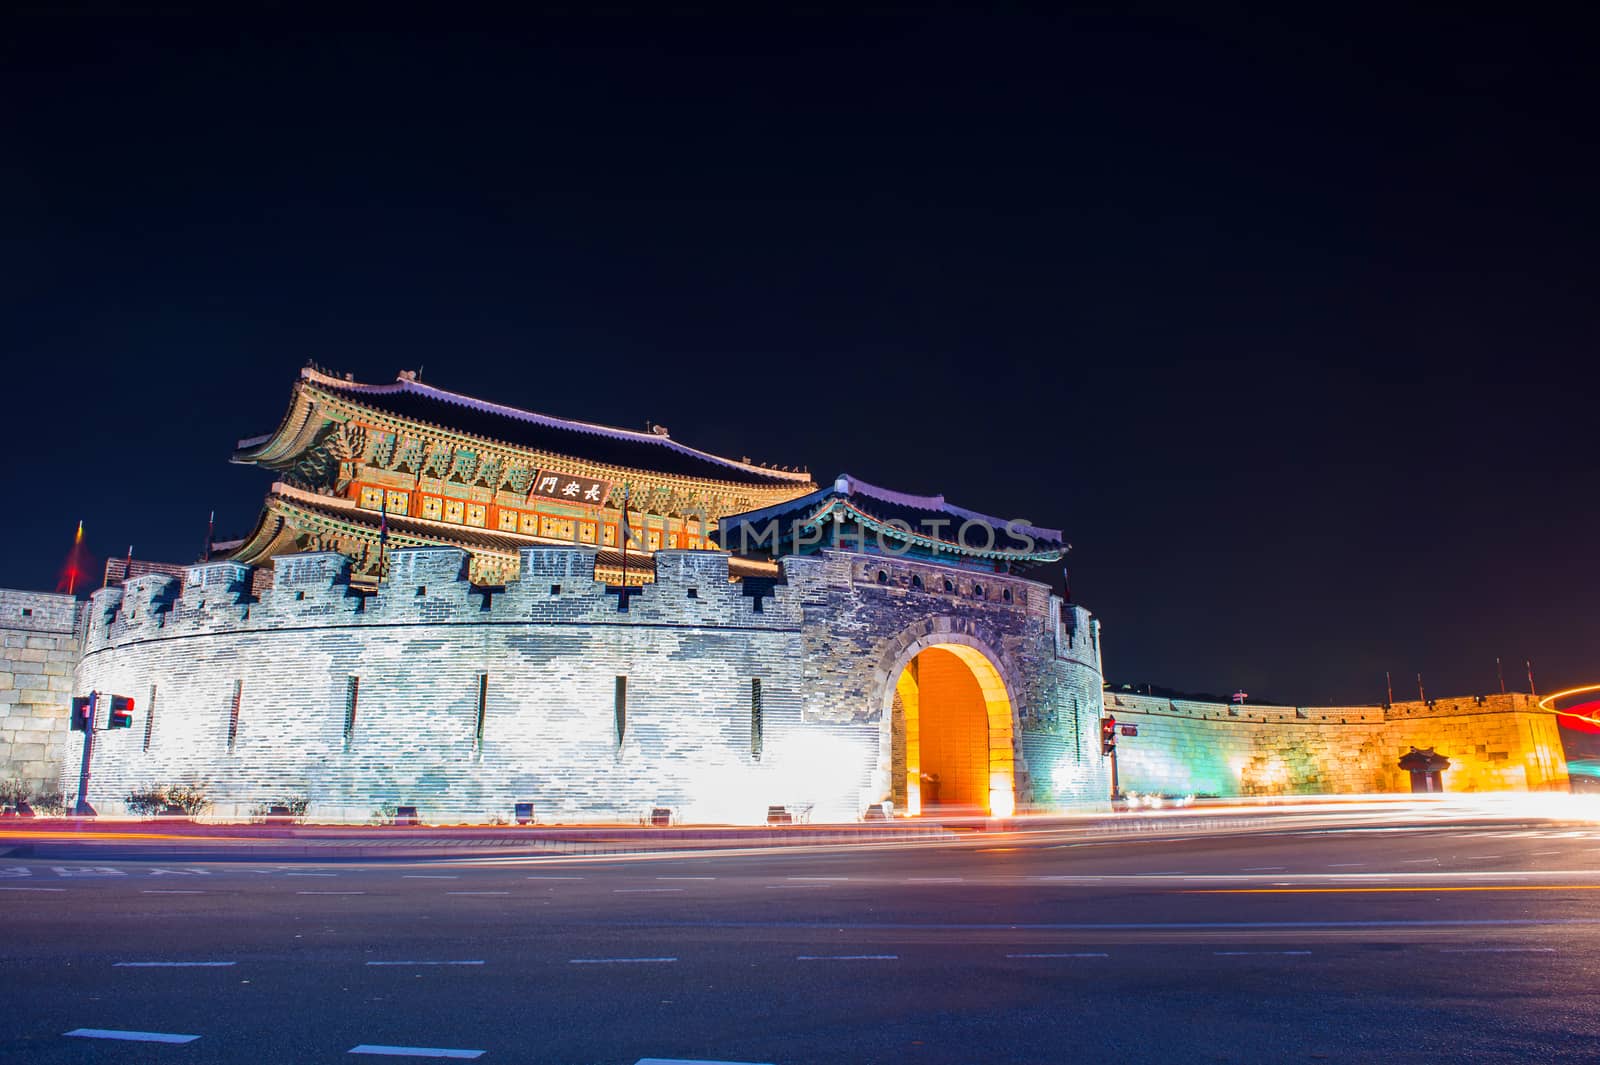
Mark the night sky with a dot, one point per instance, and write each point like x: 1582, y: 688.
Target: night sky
x: 1290, y: 326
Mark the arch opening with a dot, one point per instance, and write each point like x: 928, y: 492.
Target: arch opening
x: 953, y: 734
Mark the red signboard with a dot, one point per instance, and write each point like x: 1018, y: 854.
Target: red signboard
x: 1129, y: 730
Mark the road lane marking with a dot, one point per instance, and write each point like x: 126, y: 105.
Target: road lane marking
x: 429, y: 876
x: 414, y: 1052
x: 1419, y: 861
x: 132, y: 1037
x: 1265, y: 869
x: 935, y: 880
x: 1484, y: 857
x: 330, y: 892
x: 9, y: 888
x: 310, y: 874
x: 1498, y: 950
x: 690, y: 1061
x: 1243, y: 953
x: 1081, y: 955
x: 555, y: 878
x: 824, y: 878
x: 620, y: 961
x: 847, y: 957
x: 645, y: 890
x: 171, y: 964
x: 424, y: 963
x: 1345, y: 865
x: 477, y: 892
x: 685, y: 878
x: 171, y: 891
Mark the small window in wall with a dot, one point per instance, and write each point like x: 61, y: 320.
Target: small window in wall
x: 1006, y: 595
x: 883, y: 576
x: 149, y: 716
x: 977, y: 591
x: 949, y: 585
x: 483, y: 707
x: 27, y: 611
x: 555, y: 589
x: 620, y: 710
x: 352, y: 692
x: 233, y: 715
x: 694, y: 593
x: 916, y: 582
x: 756, y: 723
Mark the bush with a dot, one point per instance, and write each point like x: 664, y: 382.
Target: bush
x: 147, y: 803
x: 50, y: 803
x: 384, y: 815
x: 13, y: 792
x: 190, y: 799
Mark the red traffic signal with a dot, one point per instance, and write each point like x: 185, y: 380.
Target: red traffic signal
x: 1108, y: 735
x: 121, y: 712
x: 80, y: 713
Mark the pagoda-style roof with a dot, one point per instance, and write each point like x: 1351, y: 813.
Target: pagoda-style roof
x: 322, y: 400
x: 292, y: 514
x: 927, y: 526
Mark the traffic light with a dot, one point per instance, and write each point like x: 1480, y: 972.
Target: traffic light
x: 121, y: 712
x: 80, y: 713
x: 1108, y: 735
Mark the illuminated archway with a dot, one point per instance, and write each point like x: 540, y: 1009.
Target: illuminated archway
x: 949, y: 726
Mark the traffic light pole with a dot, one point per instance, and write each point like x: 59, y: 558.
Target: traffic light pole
x: 83, y: 809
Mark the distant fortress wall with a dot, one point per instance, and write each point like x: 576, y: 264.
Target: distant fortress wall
x: 1494, y: 742
x: 463, y: 700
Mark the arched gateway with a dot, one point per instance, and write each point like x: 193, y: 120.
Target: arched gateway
x: 949, y: 728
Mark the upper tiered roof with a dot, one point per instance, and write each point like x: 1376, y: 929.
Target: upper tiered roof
x: 409, y: 400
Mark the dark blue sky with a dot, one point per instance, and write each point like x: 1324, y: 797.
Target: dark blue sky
x: 1290, y: 325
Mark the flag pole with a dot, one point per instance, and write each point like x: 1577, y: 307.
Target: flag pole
x: 622, y: 536
x: 211, y: 532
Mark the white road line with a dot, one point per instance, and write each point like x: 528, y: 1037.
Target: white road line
x: 1483, y: 857
x: 330, y: 892
x: 1418, y: 861
x: 32, y: 889
x: 424, y: 963
x: 310, y: 874
x: 414, y: 1052
x: 685, y: 878
x: 828, y: 878
x: 132, y: 1037
x: 1058, y: 955
x: 171, y: 964
x: 1265, y: 869
x: 1498, y: 950
x: 1345, y: 865
x: 1242, y: 953
x: 171, y: 891
x: 935, y: 880
x: 847, y: 957
x: 555, y: 878
x: 687, y: 1061
x: 619, y: 961
x: 477, y: 892
x: 638, y: 890
x: 429, y: 876
x: 1543, y: 854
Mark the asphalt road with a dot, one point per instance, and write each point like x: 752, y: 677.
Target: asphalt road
x: 1387, y: 942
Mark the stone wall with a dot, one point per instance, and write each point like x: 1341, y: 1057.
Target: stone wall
x: 39, y: 632
x: 1494, y: 742
x: 464, y: 700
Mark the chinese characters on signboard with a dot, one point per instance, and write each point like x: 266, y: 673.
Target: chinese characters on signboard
x: 569, y: 489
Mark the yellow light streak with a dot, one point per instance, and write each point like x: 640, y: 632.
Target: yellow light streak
x: 1547, y: 703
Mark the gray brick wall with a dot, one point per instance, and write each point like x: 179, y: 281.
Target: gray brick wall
x: 38, y: 631
x: 826, y: 645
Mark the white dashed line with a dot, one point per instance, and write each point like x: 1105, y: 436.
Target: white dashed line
x: 424, y: 963
x: 1484, y: 857
x: 1086, y: 955
x: 1243, y: 953
x: 171, y: 964
x: 133, y: 1037
x: 847, y: 957
x: 415, y: 1052
x: 32, y: 889
x: 310, y: 874
x: 1498, y: 950
x: 171, y: 891
x: 477, y: 892
x: 685, y: 878
x: 935, y: 880
x: 620, y: 961
x: 428, y: 876
x: 1345, y: 865
x: 330, y: 892
x: 642, y: 890
x: 1265, y: 869
x: 690, y: 1061
x: 1418, y: 861
x: 555, y: 878
x: 824, y: 878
